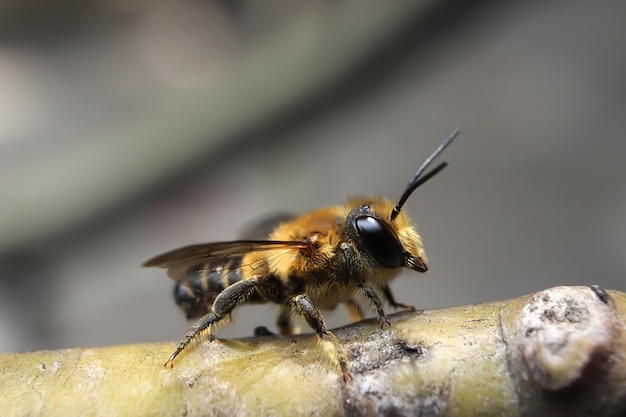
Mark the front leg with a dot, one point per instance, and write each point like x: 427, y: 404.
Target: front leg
x: 373, y: 297
x: 392, y: 301
x: 331, y: 344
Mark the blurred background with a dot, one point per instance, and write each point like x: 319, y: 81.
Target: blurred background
x: 128, y: 128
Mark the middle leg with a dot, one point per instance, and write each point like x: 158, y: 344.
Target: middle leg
x: 285, y: 327
x: 330, y: 343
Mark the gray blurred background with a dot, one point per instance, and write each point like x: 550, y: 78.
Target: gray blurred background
x: 128, y: 128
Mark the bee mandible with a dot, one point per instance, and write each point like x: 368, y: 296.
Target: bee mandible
x: 339, y: 254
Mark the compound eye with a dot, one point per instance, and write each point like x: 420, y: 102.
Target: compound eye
x: 381, y: 241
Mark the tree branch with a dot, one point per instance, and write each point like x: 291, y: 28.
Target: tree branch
x: 561, y: 351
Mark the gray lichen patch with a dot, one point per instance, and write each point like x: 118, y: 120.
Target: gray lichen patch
x: 387, y: 381
x: 563, y: 330
x: 379, y: 349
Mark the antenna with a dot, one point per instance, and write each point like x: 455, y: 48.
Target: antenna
x: 416, y: 181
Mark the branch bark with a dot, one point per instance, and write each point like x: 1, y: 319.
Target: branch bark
x: 558, y: 352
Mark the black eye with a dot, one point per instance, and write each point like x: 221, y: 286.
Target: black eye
x: 381, y: 241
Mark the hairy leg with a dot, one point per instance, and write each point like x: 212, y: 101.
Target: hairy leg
x: 392, y: 301
x: 330, y: 343
x: 224, y: 303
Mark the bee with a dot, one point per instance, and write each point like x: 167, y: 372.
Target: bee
x: 339, y: 254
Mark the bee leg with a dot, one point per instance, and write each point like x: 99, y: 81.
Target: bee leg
x: 355, y: 311
x: 284, y: 321
x: 191, y: 334
x: 373, y: 297
x: 331, y: 344
x: 224, y: 303
x: 392, y: 301
x: 260, y: 331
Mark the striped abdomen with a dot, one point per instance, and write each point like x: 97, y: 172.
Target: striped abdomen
x: 196, y: 296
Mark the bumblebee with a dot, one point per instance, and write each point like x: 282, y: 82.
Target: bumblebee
x: 338, y: 254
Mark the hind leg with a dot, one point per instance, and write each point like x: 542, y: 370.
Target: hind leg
x: 224, y: 303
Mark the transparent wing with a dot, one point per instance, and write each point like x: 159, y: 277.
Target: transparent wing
x: 206, y: 256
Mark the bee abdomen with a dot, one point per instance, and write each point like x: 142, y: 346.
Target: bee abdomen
x: 191, y: 303
x: 205, y: 283
x: 213, y: 281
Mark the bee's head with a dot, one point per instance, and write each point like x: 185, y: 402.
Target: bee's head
x: 385, y: 231
x: 393, y: 244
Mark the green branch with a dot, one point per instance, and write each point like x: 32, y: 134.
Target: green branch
x: 558, y: 352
